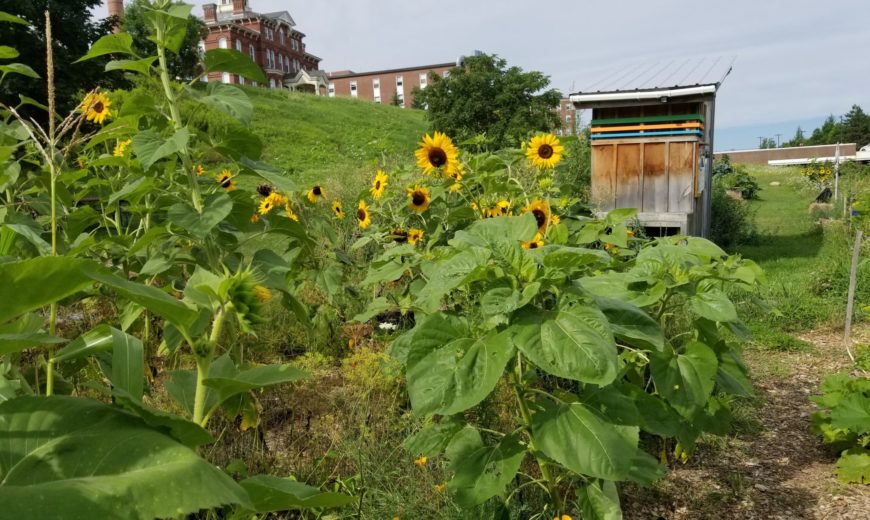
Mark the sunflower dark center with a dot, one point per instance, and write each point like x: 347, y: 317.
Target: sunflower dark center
x: 264, y: 189
x: 418, y: 199
x: 545, y: 151
x: 337, y: 210
x: 400, y: 236
x: 533, y: 245
x: 226, y: 182
x: 437, y: 157
x: 99, y: 107
x: 361, y: 214
x: 377, y: 185
x: 540, y: 217
x: 317, y: 191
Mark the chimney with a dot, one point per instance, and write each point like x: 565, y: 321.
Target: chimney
x: 116, y: 10
x: 209, y: 13
x: 239, y: 7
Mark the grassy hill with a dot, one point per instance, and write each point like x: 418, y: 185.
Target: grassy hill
x: 322, y: 137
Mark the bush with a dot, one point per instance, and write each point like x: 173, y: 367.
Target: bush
x: 732, y: 220
x: 736, y: 178
x: 843, y: 423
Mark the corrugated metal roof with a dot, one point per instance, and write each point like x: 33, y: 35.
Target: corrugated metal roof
x: 660, y: 75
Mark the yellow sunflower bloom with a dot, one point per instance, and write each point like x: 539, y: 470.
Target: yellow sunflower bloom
x: 225, y: 179
x: 501, y: 209
x: 541, y: 210
x: 440, y: 487
x: 269, y: 203
x: 437, y: 153
x: 199, y: 170
x: 415, y: 235
x: 379, y: 185
x: 534, y: 243
x: 121, y: 147
x: 545, y: 151
x: 255, y: 218
x: 289, y: 211
x: 96, y: 107
x: 421, y: 461
x: 262, y: 294
x: 363, y: 217
x: 419, y: 199
x: 337, y: 209
x: 455, y: 187
x: 316, y: 193
x: 554, y: 219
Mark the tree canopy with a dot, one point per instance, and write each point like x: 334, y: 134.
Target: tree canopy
x: 485, y: 96
x: 183, y: 65
x: 854, y: 127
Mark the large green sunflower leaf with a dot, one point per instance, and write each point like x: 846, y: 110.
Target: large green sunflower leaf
x: 84, y: 459
x: 486, y: 471
x: 852, y: 412
x: 37, y: 282
x: 234, y: 62
x: 120, y: 43
x: 575, y: 344
x: 254, y: 378
x: 215, y: 209
x: 685, y: 380
x: 854, y: 466
x: 632, y: 325
x: 269, y: 493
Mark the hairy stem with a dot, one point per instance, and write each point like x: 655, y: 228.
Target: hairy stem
x: 203, y: 364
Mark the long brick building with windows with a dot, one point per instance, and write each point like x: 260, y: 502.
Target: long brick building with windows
x: 270, y: 39
x: 393, y: 86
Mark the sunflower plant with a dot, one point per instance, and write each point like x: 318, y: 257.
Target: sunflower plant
x: 114, y: 201
x: 614, y: 350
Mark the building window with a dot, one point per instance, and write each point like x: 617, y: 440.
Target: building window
x: 376, y: 87
x: 281, y: 35
x: 241, y: 80
x: 568, y: 119
x: 225, y: 77
x: 252, y: 52
x: 353, y: 91
x: 424, y: 79
x: 331, y: 89
x: 239, y: 45
x: 222, y: 43
x: 400, y: 81
x: 271, y: 82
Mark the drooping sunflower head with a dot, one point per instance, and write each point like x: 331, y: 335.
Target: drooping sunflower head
x: 415, y: 235
x: 316, y: 193
x: 96, y: 107
x: 545, y: 151
x: 199, y: 170
x: 541, y: 211
x: 437, y: 153
x: 363, y: 217
x: 399, y: 236
x: 379, y: 184
x: 265, y: 189
x: 121, y: 147
x: 419, y: 199
x: 534, y: 243
x: 225, y: 179
x: 337, y: 209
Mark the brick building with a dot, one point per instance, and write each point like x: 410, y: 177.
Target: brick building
x: 270, y: 39
x: 385, y: 86
x: 568, y: 118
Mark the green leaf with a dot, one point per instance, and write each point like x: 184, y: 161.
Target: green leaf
x: 8, y: 18
x: 714, y: 306
x: 188, y: 433
x: 486, y: 471
x: 854, y: 466
x: 619, y: 215
x: 254, y: 378
x: 128, y: 363
x: 215, y: 209
x: 16, y: 342
x: 433, y: 438
x: 37, y: 282
x: 685, y: 380
x: 450, y: 274
x: 270, y: 493
x: 575, y: 344
x: 142, y: 66
x: 86, y: 460
x: 234, y: 62
x: 98, y: 339
x: 18, y: 68
x: 599, y: 500
x: 32, y: 235
x: 227, y: 99
x: 632, y: 325
x: 119, y: 43
x: 732, y: 376
x: 852, y: 412
x: 151, y: 147
x: 275, y: 177
x: 448, y: 378
x: 574, y: 436
x: 7, y: 53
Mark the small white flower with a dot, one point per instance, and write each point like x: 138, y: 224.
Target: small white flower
x: 388, y: 326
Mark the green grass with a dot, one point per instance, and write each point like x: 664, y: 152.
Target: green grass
x: 320, y: 138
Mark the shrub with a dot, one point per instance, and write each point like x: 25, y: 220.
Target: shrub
x: 732, y: 221
x: 844, y: 423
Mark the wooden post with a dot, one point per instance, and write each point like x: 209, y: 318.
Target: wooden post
x: 850, y: 301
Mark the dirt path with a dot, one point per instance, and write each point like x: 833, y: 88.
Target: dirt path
x: 776, y: 467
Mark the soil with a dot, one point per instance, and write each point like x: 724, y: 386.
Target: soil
x: 776, y: 468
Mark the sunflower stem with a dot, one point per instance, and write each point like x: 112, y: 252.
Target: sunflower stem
x: 203, y: 364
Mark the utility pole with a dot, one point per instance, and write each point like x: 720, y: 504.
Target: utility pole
x: 760, y: 140
x: 777, y: 139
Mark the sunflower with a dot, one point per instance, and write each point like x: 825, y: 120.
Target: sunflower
x: 316, y: 193
x: 415, y: 235
x: 225, y: 179
x: 437, y: 153
x: 363, y: 217
x: 455, y: 187
x: 269, y: 203
x: 199, y: 170
x: 545, y: 151
x: 337, y: 210
x: 121, y: 147
x: 421, y: 461
x: 265, y: 190
x: 554, y: 219
x: 289, y: 211
x: 255, y: 218
x: 399, y: 236
x: 379, y: 185
x: 541, y: 211
x: 419, y: 199
x: 96, y: 107
x: 262, y: 293
x: 501, y: 209
x: 535, y: 243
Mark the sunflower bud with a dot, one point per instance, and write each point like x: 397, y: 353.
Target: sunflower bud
x: 248, y: 298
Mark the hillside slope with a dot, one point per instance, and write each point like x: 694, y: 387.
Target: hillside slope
x: 317, y: 137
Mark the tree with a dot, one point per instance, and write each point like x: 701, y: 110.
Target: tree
x: 486, y: 97
x: 855, y: 127
x: 185, y: 64
x: 768, y: 142
x: 73, y: 33
x: 797, y: 140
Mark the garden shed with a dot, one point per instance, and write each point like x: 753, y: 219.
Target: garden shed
x: 652, y: 141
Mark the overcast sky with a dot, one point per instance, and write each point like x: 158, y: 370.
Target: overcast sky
x: 796, y: 61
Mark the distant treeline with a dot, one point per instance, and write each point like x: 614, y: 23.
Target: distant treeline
x: 854, y: 127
